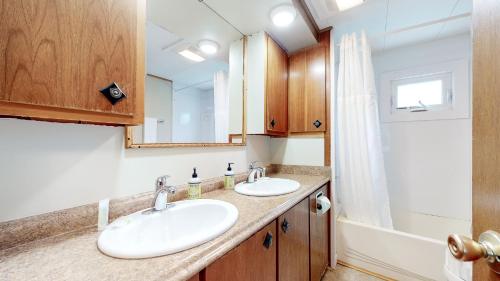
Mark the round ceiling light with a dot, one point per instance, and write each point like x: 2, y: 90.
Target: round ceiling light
x: 283, y: 15
x: 208, y: 47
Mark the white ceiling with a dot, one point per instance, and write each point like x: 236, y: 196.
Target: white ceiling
x: 379, y: 17
x: 175, y: 25
x: 253, y: 16
x: 167, y: 63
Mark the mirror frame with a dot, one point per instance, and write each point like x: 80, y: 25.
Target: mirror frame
x: 129, y: 133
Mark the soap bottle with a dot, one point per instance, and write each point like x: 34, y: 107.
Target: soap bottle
x: 194, y: 189
x: 229, y: 177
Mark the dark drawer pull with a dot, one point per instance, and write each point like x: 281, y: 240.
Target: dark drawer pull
x: 285, y: 225
x: 317, y: 123
x: 273, y: 123
x: 113, y: 93
x: 268, y: 241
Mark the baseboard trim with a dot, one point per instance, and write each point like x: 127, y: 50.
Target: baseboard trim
x: 380, y: 276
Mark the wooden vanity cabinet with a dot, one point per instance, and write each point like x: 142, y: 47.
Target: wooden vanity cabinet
x: 55, y: 56
x: 195, y: 277
x: 293, y: 243
x: 307, y: 90
x: 319, y: 237
x: 254, y: 259
x: 267, y: 86
x: 294, y: 247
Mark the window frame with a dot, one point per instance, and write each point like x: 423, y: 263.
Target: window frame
x: 446, y: 91
x: 456, y: 102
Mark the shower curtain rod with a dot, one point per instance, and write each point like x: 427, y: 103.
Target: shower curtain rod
x: 420, y: 25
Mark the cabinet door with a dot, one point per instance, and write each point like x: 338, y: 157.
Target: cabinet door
x: 276, y: 89
x: 319, y: 232
x: 293, y: 243
x: 195, y: 277
x: 307, y: 90
x: 296, y: 93
x: 315, y: 83
x: 55, y: 56
x: 254, y: 259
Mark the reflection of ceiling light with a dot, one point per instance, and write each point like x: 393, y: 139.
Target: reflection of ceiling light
x: 190, y: 55
x: 283, y: 15
x: 347, y: 4
x: 208, y: 47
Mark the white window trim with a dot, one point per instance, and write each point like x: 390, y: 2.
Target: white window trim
x: 457, y: 107
x: 445, y: 77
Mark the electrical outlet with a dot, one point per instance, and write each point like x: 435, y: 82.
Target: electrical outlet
x: 103, y: 215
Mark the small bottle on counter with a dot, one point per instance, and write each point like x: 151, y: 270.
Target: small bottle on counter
x: 194, y: 186
x: 229, y: 177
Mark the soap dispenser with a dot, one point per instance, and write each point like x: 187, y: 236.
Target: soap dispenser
x: 194, y: 186
x: 229, y: 177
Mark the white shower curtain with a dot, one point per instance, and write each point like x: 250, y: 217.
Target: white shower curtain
x: 362, y: 181
x: 221, y: 107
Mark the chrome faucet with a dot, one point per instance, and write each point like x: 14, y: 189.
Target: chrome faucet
x: 255, y: 172
x: 160, y: 199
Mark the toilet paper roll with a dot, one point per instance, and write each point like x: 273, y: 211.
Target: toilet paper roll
x: 322, y: 205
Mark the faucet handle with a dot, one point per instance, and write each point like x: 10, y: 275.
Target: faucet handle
x: 171, y: 189
x: 252, y: 165
x: 161, y: 182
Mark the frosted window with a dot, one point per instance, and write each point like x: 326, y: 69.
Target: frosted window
x: 421, y: 94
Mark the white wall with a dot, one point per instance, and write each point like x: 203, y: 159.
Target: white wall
x: 158, y: 104
x: 235, y: 87
x: 256, y: 66
x: 298, y: 150
x: 428, y: 163
x: 51, y: 166
x: 193, y: 111
x: 207, y: 122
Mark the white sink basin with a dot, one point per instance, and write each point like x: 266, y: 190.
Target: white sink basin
x: 267, y: 187
x: 185, y: 224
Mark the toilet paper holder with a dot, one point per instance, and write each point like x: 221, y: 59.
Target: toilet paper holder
x: 321, y: 204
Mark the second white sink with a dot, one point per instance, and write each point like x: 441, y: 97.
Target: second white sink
x: 267, y: 187
x: 185, y: 224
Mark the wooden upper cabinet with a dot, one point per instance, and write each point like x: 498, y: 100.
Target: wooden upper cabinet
x: 254, y: 259
x: 319, y: 233
x: 296, y: 92
x: 276, y: 89
x: 267, y: 86
x: 55, y: 56
x: 307, y: 90
x: 293, y: 243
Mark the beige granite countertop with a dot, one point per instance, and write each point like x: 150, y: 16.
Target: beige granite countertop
x: 74, y: 256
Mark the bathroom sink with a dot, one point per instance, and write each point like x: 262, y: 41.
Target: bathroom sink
x: 267, y: 187
x: 183, y: 225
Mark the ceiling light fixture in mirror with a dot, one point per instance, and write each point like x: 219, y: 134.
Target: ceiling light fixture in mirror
x: 208, y: 47
x: 194, y: 89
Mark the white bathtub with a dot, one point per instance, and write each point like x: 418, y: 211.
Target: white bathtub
x: 391, y: 253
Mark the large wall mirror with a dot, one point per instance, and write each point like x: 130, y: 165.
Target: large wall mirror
x: 194, y: 87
